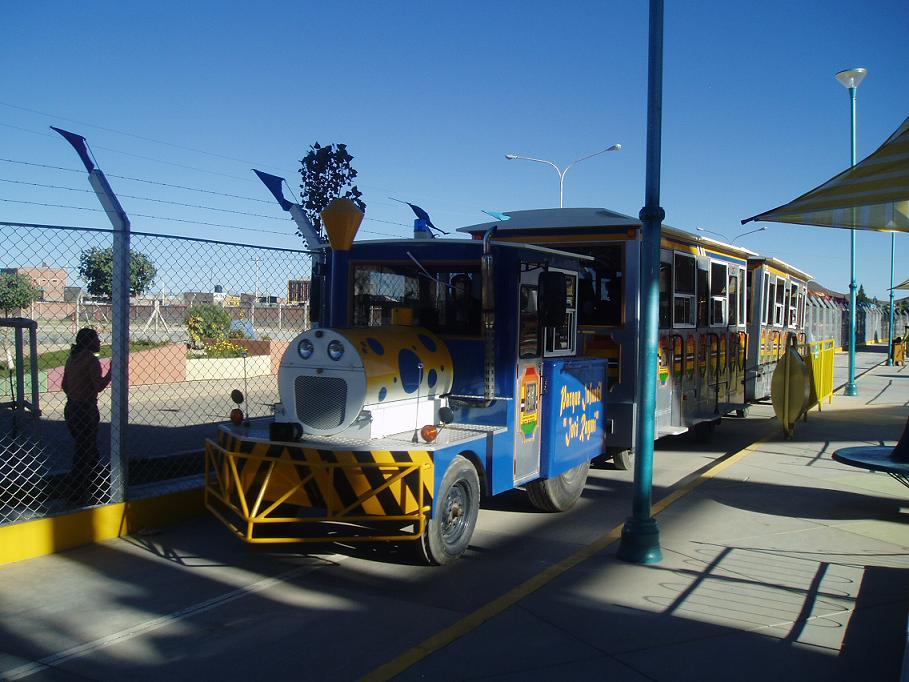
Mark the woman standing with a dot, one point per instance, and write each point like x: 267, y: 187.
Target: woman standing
x: 82, y: 382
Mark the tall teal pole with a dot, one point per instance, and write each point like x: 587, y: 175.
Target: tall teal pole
x: 890, y: 342
x: 640, y: 536
x: 851, y: 78
x: 851, y: 388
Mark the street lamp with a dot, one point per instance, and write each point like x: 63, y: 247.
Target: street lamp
x: 718, y: 234
x: 851, y: 79
x: 512, y: 157
x: 745, y: 234
x: 725, y: 238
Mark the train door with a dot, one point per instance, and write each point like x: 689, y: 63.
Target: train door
x: 529, y: 378
x: 547, y: 324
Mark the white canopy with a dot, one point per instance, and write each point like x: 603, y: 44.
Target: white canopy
x: 872, y: 195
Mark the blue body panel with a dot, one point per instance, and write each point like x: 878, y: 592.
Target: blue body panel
x: 573, y: 413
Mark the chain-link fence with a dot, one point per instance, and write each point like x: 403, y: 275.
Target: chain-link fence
x: 205, y: 318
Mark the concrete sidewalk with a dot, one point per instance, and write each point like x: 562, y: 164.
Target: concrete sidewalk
x: 778, y: 563
x: 782, y: 565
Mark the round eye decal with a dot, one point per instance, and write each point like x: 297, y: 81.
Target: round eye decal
x: 305, y: 349
x: 335, y: 350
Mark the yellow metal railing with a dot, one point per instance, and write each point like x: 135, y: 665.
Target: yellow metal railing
x: 258, y: 500
x: 819, y: 357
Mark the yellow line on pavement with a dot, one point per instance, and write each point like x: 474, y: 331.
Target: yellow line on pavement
x: 488, y: 611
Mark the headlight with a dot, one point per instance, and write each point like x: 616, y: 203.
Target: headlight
x: 335, y: 350
x: 305, y: 348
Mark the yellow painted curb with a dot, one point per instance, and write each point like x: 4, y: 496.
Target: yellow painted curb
x: 31, y: 539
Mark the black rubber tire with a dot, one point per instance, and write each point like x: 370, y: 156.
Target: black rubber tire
x: 623, y: 460
x: 449, y: 530
x: 559, y: 493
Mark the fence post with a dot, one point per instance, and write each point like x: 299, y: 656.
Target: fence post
x: 119, y: 316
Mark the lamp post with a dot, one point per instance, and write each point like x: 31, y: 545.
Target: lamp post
x: 640, y: 541
x: 512, y: 157
x: 890, y: 335
x: 851, y: 79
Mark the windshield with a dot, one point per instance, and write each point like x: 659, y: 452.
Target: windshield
x: 444, y: 299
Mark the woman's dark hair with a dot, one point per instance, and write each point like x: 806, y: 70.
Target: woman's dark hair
x: 83, y: 338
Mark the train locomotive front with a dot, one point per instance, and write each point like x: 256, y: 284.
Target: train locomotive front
x: 361, y: 383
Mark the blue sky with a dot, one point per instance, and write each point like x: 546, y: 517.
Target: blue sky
x: 430, y: 97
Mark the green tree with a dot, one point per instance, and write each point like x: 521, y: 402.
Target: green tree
x: 96, y: 267
x: 861, y: 296
x: 326, y: 173
x: 206, y: 321
x: 17, y: 291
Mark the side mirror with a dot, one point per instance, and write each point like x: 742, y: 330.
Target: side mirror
x: 446, y: 415
x: 553, y: 298
x: 237, y: 396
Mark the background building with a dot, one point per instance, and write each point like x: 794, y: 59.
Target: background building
x: 50, y: 280
x: 297, y: 291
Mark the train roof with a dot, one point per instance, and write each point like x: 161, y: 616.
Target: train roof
x: 556, y: 218
x: 589, y: 219
x: 783, y: 266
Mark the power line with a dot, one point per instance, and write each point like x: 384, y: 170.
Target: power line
x: 107, y: 230
x: 367, y: 186
x: 182, y: 220
x: 143, y: 180
x: 158, y: 201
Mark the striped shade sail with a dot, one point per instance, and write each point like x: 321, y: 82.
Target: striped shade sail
x: 872, y: 195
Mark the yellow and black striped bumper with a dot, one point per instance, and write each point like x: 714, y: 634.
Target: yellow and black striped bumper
x: 251, y: 485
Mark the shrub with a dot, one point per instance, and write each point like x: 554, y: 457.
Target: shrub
x: 206, y: 321
x: 224, y: 349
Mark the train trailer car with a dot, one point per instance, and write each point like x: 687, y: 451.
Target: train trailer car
x: 779, y: 292
x: 445, y: 370
x: 703, y: 307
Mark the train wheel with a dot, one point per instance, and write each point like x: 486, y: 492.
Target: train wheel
x: 623, y: 459
x: 449, y: 530
x: 559, y: 493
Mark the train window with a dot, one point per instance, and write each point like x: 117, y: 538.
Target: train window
x: 703, y: 294
x: 529, y: 339
x: 444, y: 300
x: 601, y: 287
x: 683, y: 307
x: 779, y: 301
x: 771, y: 297
x: 765, y: 297
x: 718, y: 288
x: 665, y: 289
x: 794, y: 297
x: 743, y: 298
x: 560, y: 339
x: 733, y: 289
